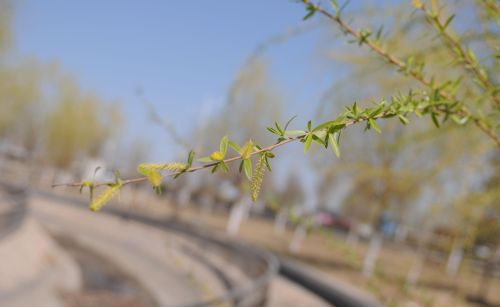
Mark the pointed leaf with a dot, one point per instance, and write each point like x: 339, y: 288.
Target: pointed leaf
x: 308, y: 142
x: 332, y: 140
x: 223, y: 145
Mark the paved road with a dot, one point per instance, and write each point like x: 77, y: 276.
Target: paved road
x: 152, y: 256
x: 156, y: 258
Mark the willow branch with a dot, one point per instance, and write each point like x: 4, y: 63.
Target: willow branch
x: 346, y: 28
x: 229, y: 160
x: 454, y: 45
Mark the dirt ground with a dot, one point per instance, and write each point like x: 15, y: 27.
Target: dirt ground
x: 329, y: 252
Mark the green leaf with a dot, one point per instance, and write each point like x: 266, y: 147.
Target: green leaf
x: 280, y: 130
x: 403, y: 119
x: 235, y: 146
x: 472, y: 55
x: 374, y: 125
x: 309, y: 126
x: 224, y: 166
x: 268, y: 165
x: 448, y: 21
x: 311, y: 10
x: 205, y: 160
x: 295, y: 132
x: 273, y: 131
x: 324, y: 125
x: 246, y: 151
x: 289, y: 121
x: 332, y: 139
x: 269, y: 154
x: 247, y: 166
x: 190, y: 159
x: 319, y: 135
x: 435, y: 119
x: 223, y: 146
x: 334, y: 4
x: 308, y: 141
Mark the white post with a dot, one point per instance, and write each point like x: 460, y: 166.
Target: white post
x: 372, y: 255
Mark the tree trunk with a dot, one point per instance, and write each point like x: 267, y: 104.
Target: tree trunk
x: 298, y: 236
x: 455, y: 259
x: 280, y: 223
x: 239, y: 211
x: 415, y: 270
x: 372, y: 255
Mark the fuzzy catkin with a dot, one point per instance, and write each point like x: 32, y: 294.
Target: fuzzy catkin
x: 257, y: 177
x: 97, y: 203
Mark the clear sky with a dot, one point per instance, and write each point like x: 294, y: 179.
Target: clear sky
x: 182, y: 54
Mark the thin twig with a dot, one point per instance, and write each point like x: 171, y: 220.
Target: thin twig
x: 399, y: 63
x: 229, y: 160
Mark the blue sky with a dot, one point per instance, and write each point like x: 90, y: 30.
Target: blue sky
x: 183, y: 55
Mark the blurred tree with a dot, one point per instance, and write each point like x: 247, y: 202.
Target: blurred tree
x: 79, y: 124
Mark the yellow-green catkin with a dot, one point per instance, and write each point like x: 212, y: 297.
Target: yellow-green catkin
x: 257, y: 177
x: 174, y: 166
x: 152, y: 171
x: 97, y: 203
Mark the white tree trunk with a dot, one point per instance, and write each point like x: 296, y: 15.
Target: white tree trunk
x: 415, y: 270
x: 298, y: 236
x: 280, y: 223
x: 372, y: 255
x: 455, y: 259
x: 239, y: 212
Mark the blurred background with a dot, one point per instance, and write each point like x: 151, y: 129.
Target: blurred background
x: 409, y: 217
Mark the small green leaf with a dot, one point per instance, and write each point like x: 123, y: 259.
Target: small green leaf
x: 435, y: 119
x: 289, y: 121
x: 280, y: 130
x: 268, y: 165
x: 273, y: 131
x: 332, y: 139
x: 308, y: 141
x: 309, y: 126
x: 295, y: 132
x: 247, y: 166
x: 448, y: 21
x: 246, y: 151
x: 224, y: 166
x: 471, y: 55
x: 374, y: 125
x: 190, y: 159
x: 235, y: 146
x: 223, y: 146
x: 311, y: 10
x: 403, y: 119
x: 205, y: 159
